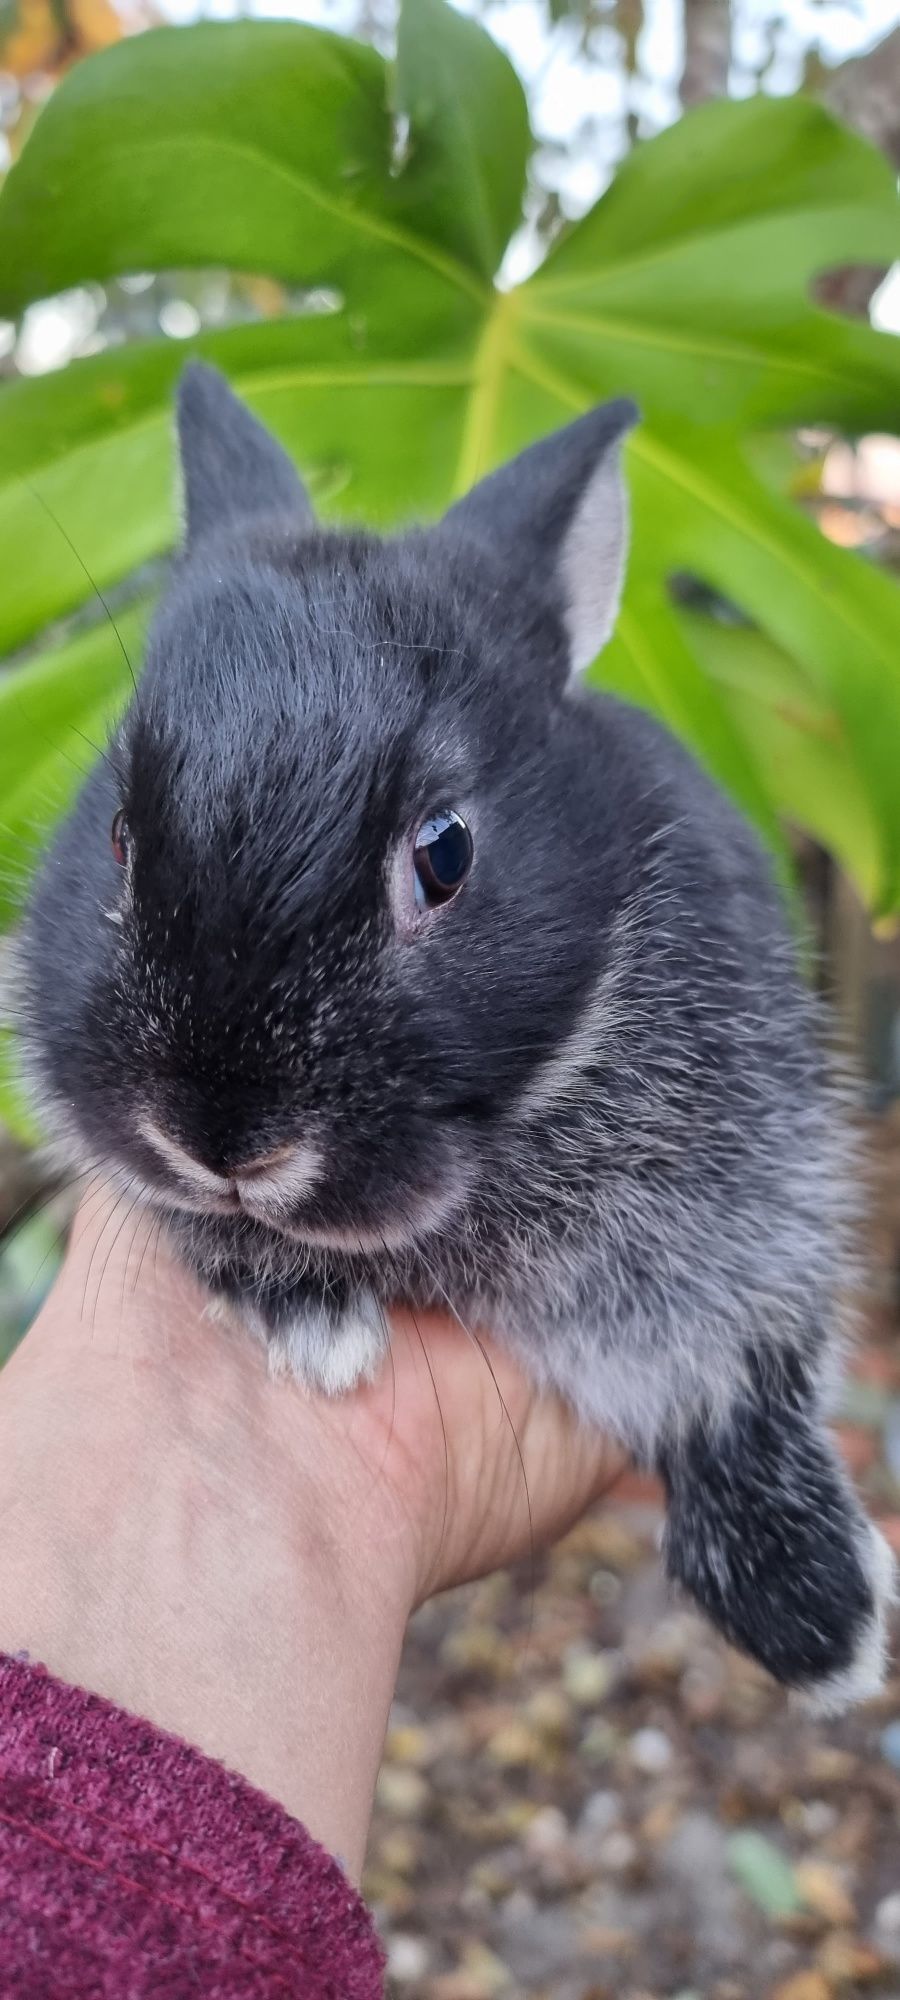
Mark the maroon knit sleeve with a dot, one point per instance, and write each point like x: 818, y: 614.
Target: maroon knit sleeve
x: 131, y: 1866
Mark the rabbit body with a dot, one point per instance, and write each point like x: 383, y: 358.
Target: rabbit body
x: 580, y: 1100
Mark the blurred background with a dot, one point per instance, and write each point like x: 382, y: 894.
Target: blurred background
x: 584, y: 1795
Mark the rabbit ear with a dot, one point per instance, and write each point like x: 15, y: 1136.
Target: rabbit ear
x: 232, y: 469
x: 557, y: 519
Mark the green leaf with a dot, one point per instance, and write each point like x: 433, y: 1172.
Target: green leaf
x: 650, y: 661
x: 469, y: 134
x: 261, y: 146
x: 269, y: 146
x: 837, y: 616
x: 692, y: 274
x: 764, y: 1873
x: 797, y: 739
x: 15, y: 1113
x: 55, y: 715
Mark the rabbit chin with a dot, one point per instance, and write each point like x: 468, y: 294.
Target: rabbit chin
x: 400, y: 1229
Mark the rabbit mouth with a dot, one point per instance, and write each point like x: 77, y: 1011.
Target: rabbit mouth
x: 419, y: 1218
x: 267, y: 1189
x: 289, y: 1194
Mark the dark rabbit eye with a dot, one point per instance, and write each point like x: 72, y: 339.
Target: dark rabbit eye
x: 120, y: 837
x: 442, y: 858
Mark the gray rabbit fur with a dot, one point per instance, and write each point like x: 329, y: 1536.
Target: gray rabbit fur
x: 578, y: 1098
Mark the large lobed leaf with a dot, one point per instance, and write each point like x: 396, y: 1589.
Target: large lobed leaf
x: 55, y: 715
x: 270, y: 147
x: 796, y: 735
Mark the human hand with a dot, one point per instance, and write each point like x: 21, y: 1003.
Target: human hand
x: 218, y: 1550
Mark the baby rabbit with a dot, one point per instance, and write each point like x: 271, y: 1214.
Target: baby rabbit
x: 388, y: 962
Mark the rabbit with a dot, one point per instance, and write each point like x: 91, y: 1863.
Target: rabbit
x: 387, y: 961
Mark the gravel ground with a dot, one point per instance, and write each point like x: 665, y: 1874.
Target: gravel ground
x: 585, y: 1796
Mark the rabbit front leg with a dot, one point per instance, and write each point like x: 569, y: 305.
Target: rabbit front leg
x: 329, y: 1348
x: 324, y: 1327
x: 328, y: 1345
x: 766, y: 1533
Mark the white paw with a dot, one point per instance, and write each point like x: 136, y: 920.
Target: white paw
x: 332, y: 1355
x: 864, y: 1677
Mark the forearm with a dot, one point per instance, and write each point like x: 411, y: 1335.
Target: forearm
x: 169, y: 1538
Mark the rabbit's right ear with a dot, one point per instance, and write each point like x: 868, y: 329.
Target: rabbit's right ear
x: 557, y: 519
x: 232, y: 468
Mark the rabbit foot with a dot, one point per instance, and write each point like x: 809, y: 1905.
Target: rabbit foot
x: 330, y: 1349
x: 768, y: 1536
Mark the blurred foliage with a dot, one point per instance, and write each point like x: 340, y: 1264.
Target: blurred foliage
x: 43, y: 35
x: 28, y: 1265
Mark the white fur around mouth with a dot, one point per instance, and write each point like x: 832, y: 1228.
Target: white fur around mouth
x: 425, y: 1216
x: 267, y: 1193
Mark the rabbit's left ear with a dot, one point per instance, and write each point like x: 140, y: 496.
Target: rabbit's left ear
x: 232, y: 469
x: 556, y: 517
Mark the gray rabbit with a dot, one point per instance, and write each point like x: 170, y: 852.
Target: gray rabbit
x: 388, y: 962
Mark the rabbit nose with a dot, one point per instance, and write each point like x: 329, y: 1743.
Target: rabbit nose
x: 267, y: 1184
x: 203, y: 1166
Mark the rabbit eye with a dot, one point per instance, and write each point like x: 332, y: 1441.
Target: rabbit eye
x: 442, y: 858
x: 120, y: 838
